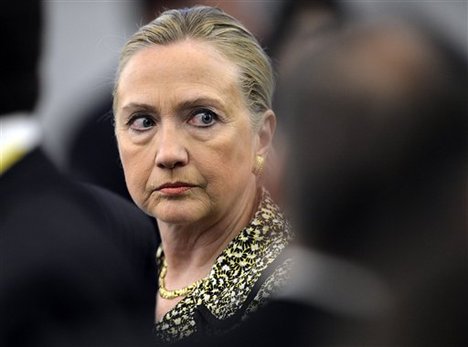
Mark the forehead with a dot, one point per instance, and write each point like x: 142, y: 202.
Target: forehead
x: 187, y: 66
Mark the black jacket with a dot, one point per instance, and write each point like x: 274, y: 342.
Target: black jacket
x: 76, y: 262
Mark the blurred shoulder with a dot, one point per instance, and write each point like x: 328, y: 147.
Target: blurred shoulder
x: 134, y: 231
x: 116, y: 207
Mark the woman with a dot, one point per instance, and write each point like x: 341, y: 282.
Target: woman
x: 194, y: 124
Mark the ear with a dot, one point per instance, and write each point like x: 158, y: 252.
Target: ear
x: 265, y: 131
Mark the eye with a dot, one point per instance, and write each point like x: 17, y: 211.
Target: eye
x: 141, y: 123
x: 203, y: 118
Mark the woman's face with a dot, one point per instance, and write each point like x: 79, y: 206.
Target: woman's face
x: 184, y: 133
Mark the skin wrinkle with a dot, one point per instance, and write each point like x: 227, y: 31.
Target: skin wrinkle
x: 196, y: 228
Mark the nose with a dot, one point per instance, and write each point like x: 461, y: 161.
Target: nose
x: 171, y: 152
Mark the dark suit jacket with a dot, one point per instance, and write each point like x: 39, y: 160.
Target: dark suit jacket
x: 76, y: 262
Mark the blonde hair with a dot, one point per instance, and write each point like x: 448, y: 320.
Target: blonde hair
x: 226, y: 34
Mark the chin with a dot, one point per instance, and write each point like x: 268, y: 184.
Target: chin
x: 178, y: 213
x: 175, y: 219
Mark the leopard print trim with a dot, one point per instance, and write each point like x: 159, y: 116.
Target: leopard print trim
x: 234, y: 274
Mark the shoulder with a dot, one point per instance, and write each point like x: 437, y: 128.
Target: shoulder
x: 121, y: 219
x: 132, y: 231
x: 41, y: 205
x: 117, y: 210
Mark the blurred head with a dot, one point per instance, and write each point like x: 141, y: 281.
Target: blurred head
x: 20, y: 24
x: 376, y: 113
x: 192, y: 112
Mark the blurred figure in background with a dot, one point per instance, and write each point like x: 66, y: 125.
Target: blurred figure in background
x: 76, y: 262
x: 298, y: 22
x: 246, y: 11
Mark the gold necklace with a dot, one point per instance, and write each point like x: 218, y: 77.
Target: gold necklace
x: 172, y: 294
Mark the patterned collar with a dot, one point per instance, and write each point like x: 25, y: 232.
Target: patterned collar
x: 234, y: 273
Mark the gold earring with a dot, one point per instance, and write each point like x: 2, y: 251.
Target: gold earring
x: 259, y: 165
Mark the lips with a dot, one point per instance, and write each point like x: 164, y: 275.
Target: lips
x: 175, y: 188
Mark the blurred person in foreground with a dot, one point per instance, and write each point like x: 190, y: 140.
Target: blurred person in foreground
x: 377, y: 117
x: 76, y: 262
x: 194, y: 125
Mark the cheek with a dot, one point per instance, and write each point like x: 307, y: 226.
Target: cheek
x: 229, y: 159
x: 137, y: 165
x: 239, y: 150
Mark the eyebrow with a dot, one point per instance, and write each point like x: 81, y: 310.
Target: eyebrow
x: 184, y: 105
x: 140, y: 106
x: 201, y: 101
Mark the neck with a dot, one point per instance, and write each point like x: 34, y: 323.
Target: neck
x: 191, y: 250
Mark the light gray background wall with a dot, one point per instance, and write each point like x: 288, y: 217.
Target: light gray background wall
x: 82, y: 40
